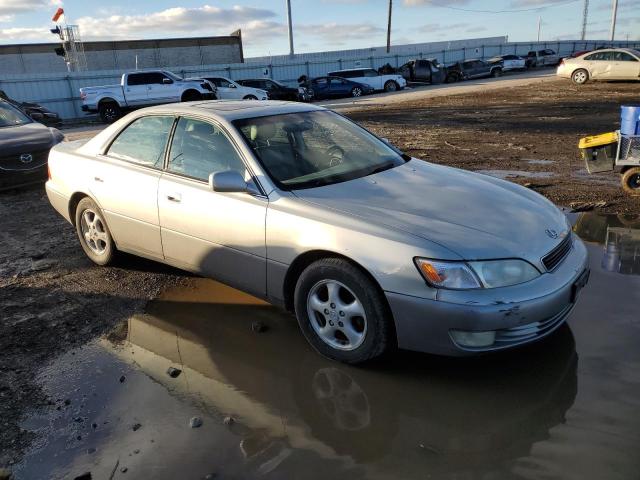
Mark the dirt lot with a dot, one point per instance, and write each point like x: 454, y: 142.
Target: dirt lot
x: 53, y: 299
x: 531, y: 132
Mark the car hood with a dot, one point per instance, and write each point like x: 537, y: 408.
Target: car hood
x: 473, y: 215
x: 30, y: 137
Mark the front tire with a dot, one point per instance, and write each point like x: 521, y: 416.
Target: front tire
x: 93, y: 233
x: 580, y: 76
x: 391, y: 86
x: 191, y: 96
x: 496, y: 73
x: 250, y: 97
x: 631, y: 181
x: 342, y: 312
x: 356, y: 92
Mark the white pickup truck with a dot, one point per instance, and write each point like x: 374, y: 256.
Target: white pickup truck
x: 142, y: 89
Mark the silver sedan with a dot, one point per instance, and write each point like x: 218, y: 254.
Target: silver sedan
x: 370, y: 248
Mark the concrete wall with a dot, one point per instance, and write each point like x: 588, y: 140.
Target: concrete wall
x: 41, y: 58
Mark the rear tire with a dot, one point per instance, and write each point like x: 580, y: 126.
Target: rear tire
x: 631, y: 181
x: 391, y: 86
x: 93, y: 233
x: 109, y: 112
x: 250, y: 97
x: 580, y: 76
x: 356, y: 92
x: 342, y: 312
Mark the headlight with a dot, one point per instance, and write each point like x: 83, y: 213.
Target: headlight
x: 485, y: 274
x: 441, y: 274
x: 502, y: 273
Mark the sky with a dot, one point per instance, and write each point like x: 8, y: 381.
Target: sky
x: 318, y: 24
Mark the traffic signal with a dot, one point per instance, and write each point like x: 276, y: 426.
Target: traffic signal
x: 60, y: 51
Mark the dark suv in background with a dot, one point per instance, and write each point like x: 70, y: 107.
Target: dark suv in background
x: 470, y: 69
x: 277, y: 90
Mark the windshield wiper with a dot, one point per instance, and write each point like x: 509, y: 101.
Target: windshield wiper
x: 381, y: 168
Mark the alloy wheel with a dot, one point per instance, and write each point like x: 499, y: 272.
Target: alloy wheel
x: 337, y: 315
x: 94, y: 232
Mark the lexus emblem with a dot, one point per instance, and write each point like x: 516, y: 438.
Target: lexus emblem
x: 26, y: 158
x: 551, y: 233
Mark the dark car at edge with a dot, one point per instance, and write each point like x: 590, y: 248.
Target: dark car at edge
x: 336, y: 87
x: 277, y: 90
x: 24, y: 147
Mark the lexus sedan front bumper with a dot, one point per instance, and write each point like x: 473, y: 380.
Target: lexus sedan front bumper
x: 504, y: 317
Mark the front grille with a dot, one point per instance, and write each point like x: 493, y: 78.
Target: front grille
x: 512, y: 336
x: 555, y: 257
x: 13, y: 162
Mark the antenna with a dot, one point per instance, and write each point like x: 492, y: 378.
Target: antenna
x: 585, y: 15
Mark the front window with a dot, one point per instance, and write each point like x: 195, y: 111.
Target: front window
x: 312, y: 149
x: 11, y: 116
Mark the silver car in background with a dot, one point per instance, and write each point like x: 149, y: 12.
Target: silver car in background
x: 371, y: 249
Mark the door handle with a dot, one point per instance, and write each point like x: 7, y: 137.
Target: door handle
x: 174, y: 197
x: 98, y: 179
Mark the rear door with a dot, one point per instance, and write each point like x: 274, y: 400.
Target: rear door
x: 125, y: 184
x: 136, y: 91
x: 600, y: 65
x: 221, y: 235
x: 320, y: 87
x: 625, y: 66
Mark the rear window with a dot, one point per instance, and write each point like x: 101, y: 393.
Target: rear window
x: 143, y: 142
x: 348, y: 74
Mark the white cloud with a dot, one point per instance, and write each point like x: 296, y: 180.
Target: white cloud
x: 19, y: 35
x: 536, y: 3
x: 12, y: 7
x: 418, y: 3
x: 178, y: 20
x: 338, y: 33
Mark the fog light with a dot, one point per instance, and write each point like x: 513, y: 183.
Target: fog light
x: 473, y: 339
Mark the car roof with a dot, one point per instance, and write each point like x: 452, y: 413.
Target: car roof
x: 234, y: 109
x: 352, y: 69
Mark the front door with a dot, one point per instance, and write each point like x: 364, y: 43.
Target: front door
x: 221, y: 235
x: 162, y: 89
x: 125, y: 184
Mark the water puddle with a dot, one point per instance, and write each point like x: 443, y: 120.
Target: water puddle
x: 505, y: 174
x: 566, y: 407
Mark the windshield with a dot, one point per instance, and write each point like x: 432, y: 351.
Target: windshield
x: 312, y: 149
x: 10, y: 116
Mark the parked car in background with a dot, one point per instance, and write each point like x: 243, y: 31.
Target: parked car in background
x: 24, y: 147
x: 301, y: 207
x: 336, y: 87
x: 371, y: 77
x: 470, y: 69
x: 277, y: 90
x: 509, y: 62
x: 141, y: 89
x: 542, y: 58
x: 423, y: 70
x: 35, y: 111
x: 227, y: 89
x: 606, y: 64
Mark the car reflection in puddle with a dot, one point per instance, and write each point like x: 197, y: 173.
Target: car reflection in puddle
x: 292, y: 414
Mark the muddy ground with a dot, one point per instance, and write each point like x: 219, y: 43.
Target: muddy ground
x: 53, y: 299
x: 533, y: 129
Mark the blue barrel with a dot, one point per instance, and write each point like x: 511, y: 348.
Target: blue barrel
x: 630, y: 120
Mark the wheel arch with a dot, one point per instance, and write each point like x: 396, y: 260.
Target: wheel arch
x: 189, y: 91
x: 74, y: 200
x: 108, y: 100
x: 305, y: 259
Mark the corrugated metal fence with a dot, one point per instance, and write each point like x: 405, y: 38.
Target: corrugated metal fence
x: 60, y: 92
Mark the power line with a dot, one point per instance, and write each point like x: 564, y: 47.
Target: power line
x: 533, y: 9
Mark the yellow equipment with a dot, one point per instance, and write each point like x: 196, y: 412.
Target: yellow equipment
x: 599, y: 151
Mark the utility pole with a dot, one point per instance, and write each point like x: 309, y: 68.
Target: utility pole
x: 389, y: 28
x: 585, y: 15
x: 614, y: 13
x: 539, y: 27
x: 290, y: 27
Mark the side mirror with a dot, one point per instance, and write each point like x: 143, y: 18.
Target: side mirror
x: 167, y: 81
x: 232, y: 85
x: 229, y: 181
